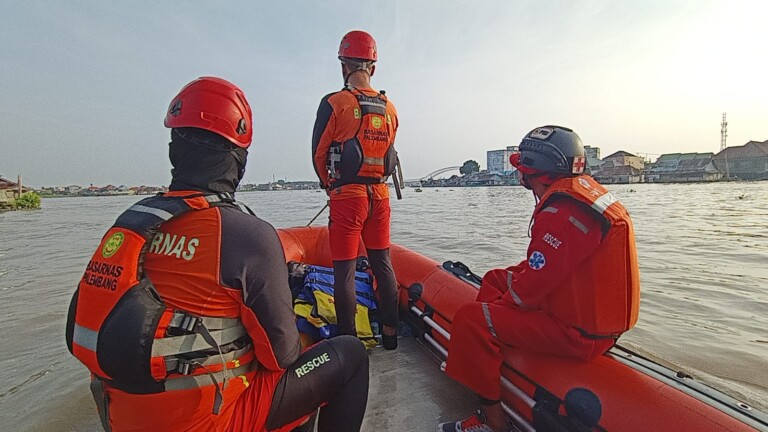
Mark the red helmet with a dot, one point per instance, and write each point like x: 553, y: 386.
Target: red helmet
x: 358, y: 44
x: 213, y: 104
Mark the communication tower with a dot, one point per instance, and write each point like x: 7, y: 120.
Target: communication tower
x: 723, y: 133
x: 723, y: 145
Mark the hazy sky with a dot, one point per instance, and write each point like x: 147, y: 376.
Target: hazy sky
x: 84, y: 85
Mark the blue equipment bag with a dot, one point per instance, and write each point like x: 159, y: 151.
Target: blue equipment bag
x: 315, y: 311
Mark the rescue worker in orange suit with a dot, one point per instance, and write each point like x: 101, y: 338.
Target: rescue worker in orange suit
x: 184, y: 314
x: 577, y: 291
x: 353, y: 153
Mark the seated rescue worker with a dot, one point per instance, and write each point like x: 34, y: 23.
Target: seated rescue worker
x: 577, y: 291
x: 184, y: 313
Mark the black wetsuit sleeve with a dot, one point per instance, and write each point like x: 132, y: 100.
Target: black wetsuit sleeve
x: 324, y: 113
x: 252, y: 260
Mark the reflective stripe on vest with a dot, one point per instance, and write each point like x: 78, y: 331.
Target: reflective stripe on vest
x: 185, y: 321
x: 373, y: 161
x: 85, y: 337
x: 371, y: 104
x: 601, y: 204
x: 195, y: 342
x: 162, y: 214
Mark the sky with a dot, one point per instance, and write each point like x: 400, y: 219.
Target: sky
x: 84, y: 85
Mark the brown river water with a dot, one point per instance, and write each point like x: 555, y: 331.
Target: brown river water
x: 703, y: 251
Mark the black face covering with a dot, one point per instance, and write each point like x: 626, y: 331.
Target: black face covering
x: 205, y: 161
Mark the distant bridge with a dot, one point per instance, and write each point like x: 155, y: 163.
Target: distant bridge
x: 433, y: 174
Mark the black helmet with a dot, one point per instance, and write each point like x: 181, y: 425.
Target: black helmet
x: 551, y: 150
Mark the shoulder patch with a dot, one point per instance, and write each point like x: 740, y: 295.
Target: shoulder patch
x: 579, y: 163
x: 112, y: 244
x: 537, y: 261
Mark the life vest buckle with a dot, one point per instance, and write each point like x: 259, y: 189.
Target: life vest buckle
x: 187, y: 366
x: 334, y: 159
x: 189, y: 323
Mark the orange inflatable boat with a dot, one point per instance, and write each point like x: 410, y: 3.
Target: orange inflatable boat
x: 619, y: 391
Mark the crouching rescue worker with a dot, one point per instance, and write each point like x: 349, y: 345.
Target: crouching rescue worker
x: 577, y: 291
x: 184, y: 313
x: 353, y: 152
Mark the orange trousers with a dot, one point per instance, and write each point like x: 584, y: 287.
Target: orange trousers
x: 353, y: 218
x: 245, y: 408
x: 481, y: 329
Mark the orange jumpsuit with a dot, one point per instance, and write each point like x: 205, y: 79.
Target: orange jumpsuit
x: 577, y: 291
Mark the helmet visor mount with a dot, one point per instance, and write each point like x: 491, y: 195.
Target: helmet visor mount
x: 516, y: 159
x: 527, y: 172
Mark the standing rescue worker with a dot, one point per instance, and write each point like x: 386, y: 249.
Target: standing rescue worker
x: 353, y: 153
x: 184, y: 314
x: 575, y: 294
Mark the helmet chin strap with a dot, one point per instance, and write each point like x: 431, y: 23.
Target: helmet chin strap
x: 530, y: 226
x: 346, y: 77
x: 527, y: 185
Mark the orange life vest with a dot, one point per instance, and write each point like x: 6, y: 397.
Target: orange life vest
x: 123, y: 332
x: 602, y: 298
x: 369, y: 157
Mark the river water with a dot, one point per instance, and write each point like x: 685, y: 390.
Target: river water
x: 703, y: 251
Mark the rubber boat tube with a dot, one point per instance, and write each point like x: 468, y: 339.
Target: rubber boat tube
x: 632, y: 393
